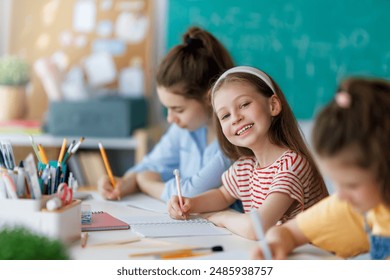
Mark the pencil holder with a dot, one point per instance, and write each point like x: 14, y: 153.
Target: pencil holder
x: 50, y: 176
x: 63, y: 223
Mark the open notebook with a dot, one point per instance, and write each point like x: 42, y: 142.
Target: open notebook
x: 164, y: 226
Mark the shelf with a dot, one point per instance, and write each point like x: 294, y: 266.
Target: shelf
x: 127, y: 143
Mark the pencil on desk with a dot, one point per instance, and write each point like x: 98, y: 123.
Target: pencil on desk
x: 179, y: 253
x: 107, y: 165
x: 84, y: 239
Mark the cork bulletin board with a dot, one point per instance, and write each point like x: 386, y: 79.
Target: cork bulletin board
x: 71, y: 32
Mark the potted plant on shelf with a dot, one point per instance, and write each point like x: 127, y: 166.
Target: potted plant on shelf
x: 14, y: 76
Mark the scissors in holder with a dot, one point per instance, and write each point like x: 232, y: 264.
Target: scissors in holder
x: 65, y: 193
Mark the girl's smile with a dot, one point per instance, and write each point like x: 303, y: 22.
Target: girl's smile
x: 237, y: 104
x: 244, y: 130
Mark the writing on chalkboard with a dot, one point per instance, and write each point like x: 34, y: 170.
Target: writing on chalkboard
x: 306, y: 46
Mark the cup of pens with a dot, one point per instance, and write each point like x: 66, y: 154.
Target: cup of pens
x: 54, y: 176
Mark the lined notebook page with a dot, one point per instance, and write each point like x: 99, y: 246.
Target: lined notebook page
x: 164, y: 226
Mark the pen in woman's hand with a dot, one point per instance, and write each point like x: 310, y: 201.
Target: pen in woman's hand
x: 176, y: 172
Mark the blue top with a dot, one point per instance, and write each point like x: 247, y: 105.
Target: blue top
x: 379, y: 245
x: 200, y: 165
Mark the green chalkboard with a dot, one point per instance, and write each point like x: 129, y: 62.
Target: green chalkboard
x: 306, y: 46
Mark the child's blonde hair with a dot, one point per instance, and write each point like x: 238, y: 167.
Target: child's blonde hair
x: 358, y: 121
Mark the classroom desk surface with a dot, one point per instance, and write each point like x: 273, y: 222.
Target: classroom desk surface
x: 235, y: 247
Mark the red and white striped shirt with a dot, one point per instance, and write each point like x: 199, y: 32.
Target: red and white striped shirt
x: 291, y: 174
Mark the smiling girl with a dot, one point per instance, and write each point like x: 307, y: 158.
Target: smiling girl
x: 273, y: 172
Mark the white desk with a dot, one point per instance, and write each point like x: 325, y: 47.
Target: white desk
x: 235, y: 247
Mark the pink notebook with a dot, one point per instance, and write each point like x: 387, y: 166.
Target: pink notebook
x: 104, y: 221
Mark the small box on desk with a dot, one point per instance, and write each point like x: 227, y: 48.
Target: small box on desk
x: 63, y: 224
x: 102, y: 117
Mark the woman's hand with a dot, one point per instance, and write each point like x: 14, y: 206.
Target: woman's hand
x: 124, y: 186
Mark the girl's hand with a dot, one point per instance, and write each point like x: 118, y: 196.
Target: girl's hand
x: 177, y: 212
x: 277, y: 251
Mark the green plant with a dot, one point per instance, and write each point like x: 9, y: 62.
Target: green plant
x: 21, y: 244
x: 14, y: 71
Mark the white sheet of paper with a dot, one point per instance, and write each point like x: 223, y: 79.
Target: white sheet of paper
x: 131, y: 27
x: 100, y: 69
x: 84, y: 16
x: 73, y: 87
x: 131, y: 82
x: 145, y: 202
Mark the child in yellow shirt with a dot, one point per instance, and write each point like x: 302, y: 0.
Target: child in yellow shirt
x: 351, y: 139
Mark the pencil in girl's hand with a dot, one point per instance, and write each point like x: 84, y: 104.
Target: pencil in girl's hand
x: 107, y: 165
x: 256, y: 221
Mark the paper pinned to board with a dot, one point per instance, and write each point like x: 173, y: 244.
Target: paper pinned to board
x: 100, y: 69
x: 84, y: 16
x: 131, y: 27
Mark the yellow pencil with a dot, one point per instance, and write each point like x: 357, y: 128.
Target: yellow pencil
x: 62, y: 152
x: 43, y: 154
x: 107, y: 165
